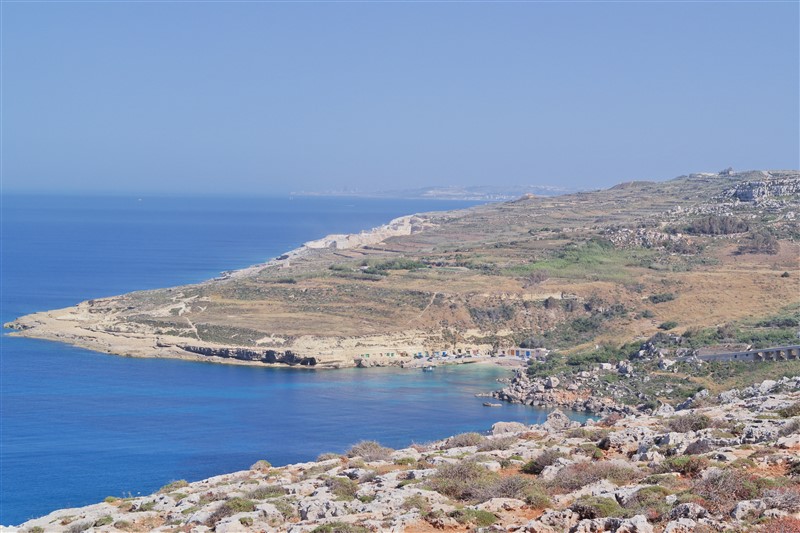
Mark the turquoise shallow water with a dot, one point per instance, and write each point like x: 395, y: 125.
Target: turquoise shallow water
x: 78, y: 426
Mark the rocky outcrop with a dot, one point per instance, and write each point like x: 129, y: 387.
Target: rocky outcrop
x: 770, y: 187
x: 624, y: 486
x: 245, y: 354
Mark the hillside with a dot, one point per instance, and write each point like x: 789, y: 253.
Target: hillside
x: 567, y: 272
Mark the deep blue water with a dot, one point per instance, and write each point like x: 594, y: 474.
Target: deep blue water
x: 78, y: 426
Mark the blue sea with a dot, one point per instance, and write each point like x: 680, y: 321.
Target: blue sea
x: 78, y: 426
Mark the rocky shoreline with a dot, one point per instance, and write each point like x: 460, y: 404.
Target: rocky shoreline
x: 731, y: 463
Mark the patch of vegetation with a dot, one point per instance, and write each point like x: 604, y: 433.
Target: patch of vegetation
x: 761, y: 241
x: 342, y: 487
x: 661, y: 297
x: 229, y: 508
x: 175, y: 485
x: 464, y: 439
x: 687, y: 465
x: 370, y: 450
x: 497, y: 443
x: 269, y: 491
x: 597, y: 507
x: 537, y: 465
x: 689, y: 422
x: 578, y: 475
x: 262, y: 465
x: 666, y: 326
x: 722, y: 488
x: 465, y: 480
x: 716, y: 225
x: 474, y: 517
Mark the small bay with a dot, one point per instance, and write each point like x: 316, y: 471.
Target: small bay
x: 78, y: 425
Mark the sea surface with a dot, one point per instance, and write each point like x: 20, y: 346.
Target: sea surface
x: 77, y: 426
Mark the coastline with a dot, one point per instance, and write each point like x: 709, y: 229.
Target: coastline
x: 374, y: 488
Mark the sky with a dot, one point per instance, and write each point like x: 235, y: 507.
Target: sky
x: 272, y: 97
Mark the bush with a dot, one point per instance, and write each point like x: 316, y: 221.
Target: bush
x: 419, y: 502
x: 342, y: 487
x: 722, y: 488
x: 545, y: 459
x: 369, y: 450
x: 328, y: 456
x: 261, y: 465
x: 497, y: 443
x: 230, y: 508
x: 690, y: 422
x: 175, y: 485
x: 687, y: 465
x: 791, y: 411
x: 269, y: 491
x: 662, y: 297
x: 786, y: 499
x: 666, y: 326
x: 596, y: 507
x: 473, y: 516
x: 698, y: 447
x: 760, y: 242
x: 463, y: 440
x: 465, y: 480
x: 507, y: 487
x: 791, y: 427
x: 578, y: 475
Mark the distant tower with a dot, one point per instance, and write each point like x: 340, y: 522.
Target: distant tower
x: 727, y: 172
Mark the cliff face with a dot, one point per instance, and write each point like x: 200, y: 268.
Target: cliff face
x: 732, y: 464
x: 571, y: 272
x: 773, y: 185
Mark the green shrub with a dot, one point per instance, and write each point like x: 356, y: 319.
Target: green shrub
x: 419, y: 502
x: 342, y: 487
x: 688, y: 465
x: 596, y: 507
x: 268, y: 491
x: 229, y: 508
x: 36, y: 529
x: 538, y: 464
x: 689, y: 422
x: 246, y: 521
x: 666, y: 326
x: 339, y: 527
x: 262, y: 465
x: 662, y: 297
x: 169, y: 487
x: 464, y: 439
x: 578, y: 475
x: 328, y: 456
x: 465, y: 480
x: 369, y: 450
x: 103, y: 521
x: 405, y: 461
x: 474, y: 517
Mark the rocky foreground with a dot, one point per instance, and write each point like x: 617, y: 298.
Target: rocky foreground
x: 730, y: 463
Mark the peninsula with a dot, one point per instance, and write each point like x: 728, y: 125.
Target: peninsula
x: 567, y: 273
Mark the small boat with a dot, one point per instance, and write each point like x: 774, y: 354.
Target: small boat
x: 490, y: 404
x: 428, y: 368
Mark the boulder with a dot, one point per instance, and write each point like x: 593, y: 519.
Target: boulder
x: 496, y: 505
x: 688, y: 510
x: 557, y: 421
x: 500, y: 428
x: 551, y: 382
x: 747, y: 509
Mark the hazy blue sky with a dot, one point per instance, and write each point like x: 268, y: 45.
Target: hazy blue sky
x: 272, y: 97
